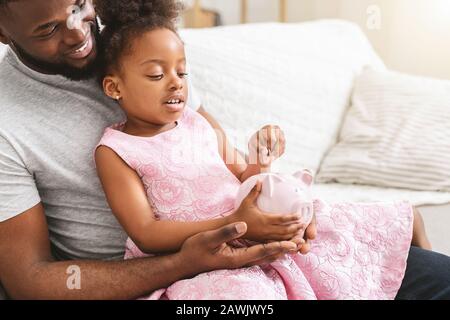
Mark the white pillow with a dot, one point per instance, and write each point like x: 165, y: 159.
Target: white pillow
x: 299, y: 76
x: 396, y: 134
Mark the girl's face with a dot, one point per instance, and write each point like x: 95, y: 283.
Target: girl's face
x: 151, y: 83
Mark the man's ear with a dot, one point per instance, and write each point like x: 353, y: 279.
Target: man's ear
x: 111, y: 87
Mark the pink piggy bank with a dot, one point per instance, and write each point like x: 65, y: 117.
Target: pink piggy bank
x: 282, y: 193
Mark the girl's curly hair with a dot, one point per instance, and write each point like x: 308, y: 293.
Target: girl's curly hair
x: 124, y: 20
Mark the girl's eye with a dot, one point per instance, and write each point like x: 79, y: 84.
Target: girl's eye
x: 156, y: 78
x: 183, y: 75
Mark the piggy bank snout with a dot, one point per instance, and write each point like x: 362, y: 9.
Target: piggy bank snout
x: 306, y: 209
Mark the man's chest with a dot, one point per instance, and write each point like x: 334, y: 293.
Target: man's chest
x: 57, y: 142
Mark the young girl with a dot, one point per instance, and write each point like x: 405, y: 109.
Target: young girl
x: 166, y: 178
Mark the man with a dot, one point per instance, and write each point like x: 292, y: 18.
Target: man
x: 48, y: 184
x: 52, y: 116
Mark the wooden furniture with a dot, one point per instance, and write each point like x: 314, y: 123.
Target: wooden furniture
x: 197, y: 17
x: 244, y: 11
x: 283, y: 10
x: 282, y: 17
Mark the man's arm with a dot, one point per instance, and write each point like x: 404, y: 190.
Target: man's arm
x: 28, y: 271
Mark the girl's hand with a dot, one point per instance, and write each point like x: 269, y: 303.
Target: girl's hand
x: 303, y: 239
x: 266, y: 145
x: 265, y: 227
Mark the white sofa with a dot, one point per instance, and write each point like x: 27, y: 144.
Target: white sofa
x: 301, y: 77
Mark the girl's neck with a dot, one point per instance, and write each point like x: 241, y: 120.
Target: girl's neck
x: 146, y: 129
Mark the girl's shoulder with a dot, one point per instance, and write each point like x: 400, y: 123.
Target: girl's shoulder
x: 112, y: 136
x: 116, y: 140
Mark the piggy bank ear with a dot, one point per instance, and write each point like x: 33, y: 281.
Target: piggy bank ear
x: 305, y: 176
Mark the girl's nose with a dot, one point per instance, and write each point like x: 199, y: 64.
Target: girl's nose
x: 176, y: 84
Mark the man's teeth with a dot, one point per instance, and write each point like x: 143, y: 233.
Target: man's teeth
x: 83, y: 47
x: 174, y: 101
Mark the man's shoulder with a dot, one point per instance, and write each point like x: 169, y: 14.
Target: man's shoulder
x: 18, y: 99
x: 12, y: 93
x: 13, y: 85
x: 8, y: 92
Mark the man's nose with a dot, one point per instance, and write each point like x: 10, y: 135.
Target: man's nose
x: 75, y: 36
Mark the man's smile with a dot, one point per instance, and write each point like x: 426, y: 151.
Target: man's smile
x: 83, y: 50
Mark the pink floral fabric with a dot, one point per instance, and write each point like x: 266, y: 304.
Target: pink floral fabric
x: 360, y: 251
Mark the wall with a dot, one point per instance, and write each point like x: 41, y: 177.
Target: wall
x: 419, y: 38
x: 414, y: 35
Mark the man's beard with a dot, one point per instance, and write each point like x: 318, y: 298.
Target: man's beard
x: 66, y: 70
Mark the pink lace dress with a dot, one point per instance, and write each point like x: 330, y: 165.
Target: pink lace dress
x: 360, y: 251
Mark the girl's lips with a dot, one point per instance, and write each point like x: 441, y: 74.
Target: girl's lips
x: 175, y: 107
x: 83, y: 51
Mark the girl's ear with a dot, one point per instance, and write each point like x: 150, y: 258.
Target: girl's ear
x: 111, y: 87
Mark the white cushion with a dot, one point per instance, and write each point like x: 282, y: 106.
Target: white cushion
x: 299, y: 76
x: 396, y: 134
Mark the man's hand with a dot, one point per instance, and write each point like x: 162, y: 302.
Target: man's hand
x: 266, y: 145
x: 209, y: 251
x: 264, y: 227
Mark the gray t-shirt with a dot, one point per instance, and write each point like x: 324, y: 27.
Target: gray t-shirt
x: 49, y: 127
